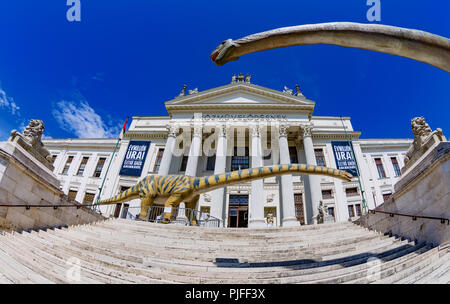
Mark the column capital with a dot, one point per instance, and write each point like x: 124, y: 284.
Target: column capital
x: 173, y: 129
x: 223, y: 129
x: 255, y: 130
x: 283, y: 130
x: 198, y: 129
x: 307, y: 129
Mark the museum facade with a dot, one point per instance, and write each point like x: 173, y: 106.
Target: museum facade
x: 231, y: 127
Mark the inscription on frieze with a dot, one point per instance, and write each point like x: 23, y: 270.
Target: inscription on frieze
x: 231, y: 117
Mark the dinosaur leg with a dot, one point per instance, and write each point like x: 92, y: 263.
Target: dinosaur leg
x: 171, y: 202
x: 146, y: 204
x: 191, y: 205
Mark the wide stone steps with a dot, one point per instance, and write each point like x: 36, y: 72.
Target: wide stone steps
x: 123, y: 251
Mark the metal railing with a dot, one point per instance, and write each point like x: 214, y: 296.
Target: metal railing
x: 189, y: 217
x: 183, y: 216
x: 414, y: 217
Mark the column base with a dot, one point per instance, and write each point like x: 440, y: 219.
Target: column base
x: 257, y: 223
x: 290, y: 222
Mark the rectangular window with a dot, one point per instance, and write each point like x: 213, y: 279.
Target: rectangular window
x: 72, y: 194
x: 238, y: 200
x: 351, y: 191
x: 293, y: 155
x: 358, y: 209
x: 351, y: 212
x: 159, y: 157
x: 82, y: 166
x: 331, y: 211
x: 184, y: 162
x: 379, y: 164
x: 53, y: 159
x: 88, y: 198
x: 211, y: 163
x: 239, y: 162
x: 396, y: 166
x: 99, y: 167
x: 327, y: 194
x: 320, y: 158
x: 386, y: 196
x: 299, y: 211
x: 67, y: 165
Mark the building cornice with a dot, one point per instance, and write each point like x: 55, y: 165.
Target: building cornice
x: 82, y: 143
x: 146, y: 135
x: 325, y: 135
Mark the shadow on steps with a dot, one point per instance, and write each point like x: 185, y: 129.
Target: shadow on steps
x: 347, y: 261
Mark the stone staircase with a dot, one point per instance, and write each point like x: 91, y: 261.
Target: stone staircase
x: 124, y: 251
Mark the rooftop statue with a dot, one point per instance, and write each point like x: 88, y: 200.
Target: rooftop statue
x: 183, y: 91
x: 414, y: 44
x: 288, y: 91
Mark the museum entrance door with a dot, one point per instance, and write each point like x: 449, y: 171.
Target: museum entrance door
x: 238, y: 211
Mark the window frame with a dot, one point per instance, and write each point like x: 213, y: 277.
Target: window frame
x: 96, y: 167
x: 380, y: 168
x: 158, y: 160
x: 396, y: 166
x: 81, y: 167
x: 319, y: 154
x: 67, y: 165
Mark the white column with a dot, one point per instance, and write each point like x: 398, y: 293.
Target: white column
x: 168, y: 150
x: 218, y: 196
x: 256, y: 206
x: 287, y: 191
x: 191, y: 167
x: 315, y: 195
x: 194, y: 151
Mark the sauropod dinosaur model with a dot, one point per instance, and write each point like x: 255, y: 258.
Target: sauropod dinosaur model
x: 181, y: 188
x: 414, y: 44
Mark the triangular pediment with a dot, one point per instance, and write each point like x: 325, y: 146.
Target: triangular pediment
x: 237, y: 96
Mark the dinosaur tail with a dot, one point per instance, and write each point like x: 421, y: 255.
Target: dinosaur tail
x: 126, y: 195
x: 208, y: 183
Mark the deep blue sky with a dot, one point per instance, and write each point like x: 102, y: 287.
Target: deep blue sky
x: 126, y: 57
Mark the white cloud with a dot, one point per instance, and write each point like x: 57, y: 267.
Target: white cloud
x: 80, y: 119
x: 8, y: 103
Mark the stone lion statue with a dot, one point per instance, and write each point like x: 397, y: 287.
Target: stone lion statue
x: 421, y: 131
x: 32, y: 137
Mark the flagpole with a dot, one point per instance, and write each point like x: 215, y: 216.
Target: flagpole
x: 109, y: 164
x: 357, y: 168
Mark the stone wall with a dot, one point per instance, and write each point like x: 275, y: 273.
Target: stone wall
x: 24, y: 180
x: 422, y: 191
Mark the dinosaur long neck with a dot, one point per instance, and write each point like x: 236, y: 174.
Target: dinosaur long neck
x: 208, y: 183
x: 126, y: 195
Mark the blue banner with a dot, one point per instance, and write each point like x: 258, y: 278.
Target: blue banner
x: 343, y: 155
x: 134, y: 158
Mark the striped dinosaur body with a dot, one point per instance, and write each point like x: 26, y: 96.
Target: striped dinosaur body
x: 180, y: 188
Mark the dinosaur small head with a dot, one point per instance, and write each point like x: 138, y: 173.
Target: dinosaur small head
x: 347, y: 176
x: 218, y: 56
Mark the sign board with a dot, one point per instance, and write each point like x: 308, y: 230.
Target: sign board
x: 343, y: 155
x: 134, y: 158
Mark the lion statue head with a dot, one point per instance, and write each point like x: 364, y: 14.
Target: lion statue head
x: 421, y: 130
x: 33, y: 132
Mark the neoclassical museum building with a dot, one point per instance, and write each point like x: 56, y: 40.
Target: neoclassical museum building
x: 232, y: 127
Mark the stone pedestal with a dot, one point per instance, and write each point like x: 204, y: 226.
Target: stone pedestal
x: 26, y: 179
x: 423, y: 191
